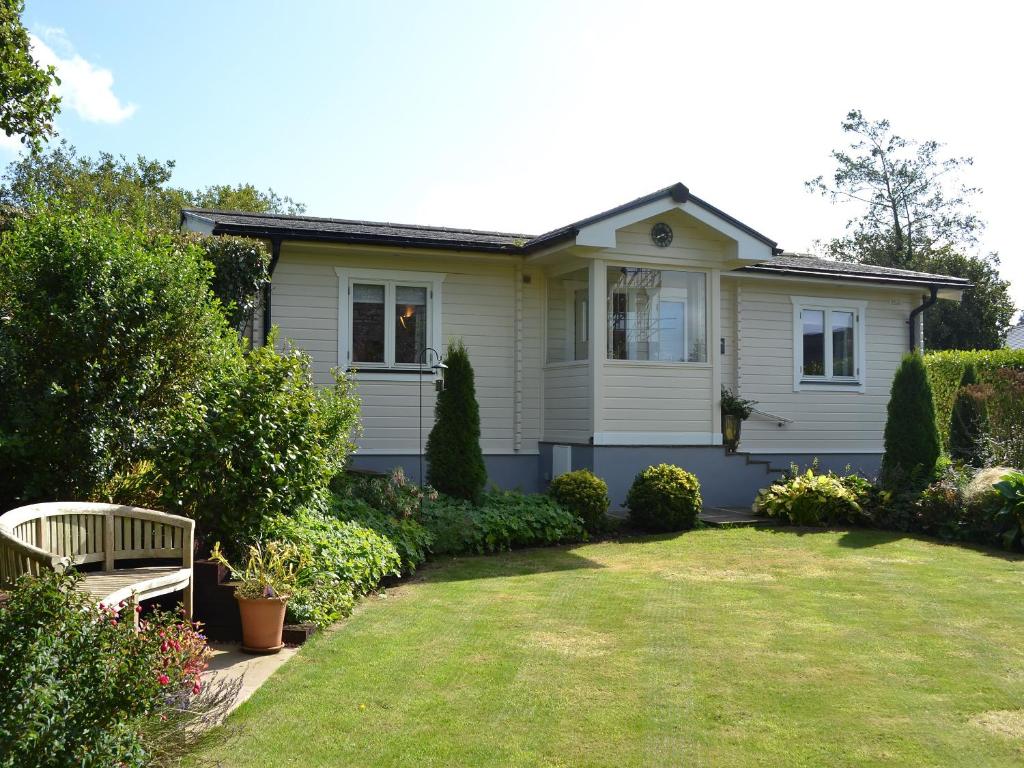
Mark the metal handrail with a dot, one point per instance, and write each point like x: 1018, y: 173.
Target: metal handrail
x: 780, y: 420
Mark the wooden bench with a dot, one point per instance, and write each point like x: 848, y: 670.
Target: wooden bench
x: 57, y: 534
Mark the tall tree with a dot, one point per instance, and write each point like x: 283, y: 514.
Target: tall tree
x: 913, y: 212
x: 27, y: 107
x: 138, y: 190
x: 911, y: 438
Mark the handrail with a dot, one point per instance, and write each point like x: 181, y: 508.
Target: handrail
x: 780, y: 420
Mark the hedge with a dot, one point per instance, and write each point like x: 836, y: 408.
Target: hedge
x: 946, y: 368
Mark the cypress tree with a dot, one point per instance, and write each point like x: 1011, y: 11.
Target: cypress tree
x: 455, y: 461
x: 968, y: 423
x: 911, y: 438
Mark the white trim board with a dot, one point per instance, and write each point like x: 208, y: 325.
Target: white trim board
x: 413, y: 452
x: 656, y: 438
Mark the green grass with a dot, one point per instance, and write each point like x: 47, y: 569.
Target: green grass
x: 718, y: 647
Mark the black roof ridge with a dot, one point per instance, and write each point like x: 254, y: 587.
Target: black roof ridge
x: 284, y: 217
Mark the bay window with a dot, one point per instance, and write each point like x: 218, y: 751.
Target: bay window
x: 657, y: 315
x: 828, y: 342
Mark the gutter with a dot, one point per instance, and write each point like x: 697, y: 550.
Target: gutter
x: 275, y: 254
x: 911, y: 321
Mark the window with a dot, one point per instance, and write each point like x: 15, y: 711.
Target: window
x: 568, y: 317
x: 388, y: 319
x: 828, y: 342
x: 657, y: 315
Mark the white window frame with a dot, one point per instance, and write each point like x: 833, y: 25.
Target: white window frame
x: 572, y: 321
x: 828, y: 382
x: 390, y: 279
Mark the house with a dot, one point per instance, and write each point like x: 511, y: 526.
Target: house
x: 1015, y: 336
x: 602, y: 344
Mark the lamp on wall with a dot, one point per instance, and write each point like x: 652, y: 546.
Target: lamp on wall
x: 437, y: 366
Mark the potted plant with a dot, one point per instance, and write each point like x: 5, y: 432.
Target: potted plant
x: 265, y: 584
x: 735, y: 410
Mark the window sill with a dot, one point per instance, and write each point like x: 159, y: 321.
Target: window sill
x: 391, y: 374
x: 810, y: 385
x: 658, y: 363
x: 567, y: 364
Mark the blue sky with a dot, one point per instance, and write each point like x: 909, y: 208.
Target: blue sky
x: 526, y: 115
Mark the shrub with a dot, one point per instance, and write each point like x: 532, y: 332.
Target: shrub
x: 967, y: 427
x: 240, y: 269
x: 810, y: 499
x: 336, y: 560
x: 504, y: 520
x: 266, y: 442
x: 392, y: 494
x: 911, y: 439
x: 585, y: 495
x: 980, y: 495
x: 79, y: 682
x: 106, y: 332
x: 1004, y: 409
x: 1011, y: 514
x: 938, y: 510
x: 945, y: 370
x: 411, y: 540
x: 664, y: 498
x: 455, y: 461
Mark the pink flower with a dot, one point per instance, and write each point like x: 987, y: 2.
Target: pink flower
x: 163, y: 679
x: 138, y: 609
x: 196, y: 689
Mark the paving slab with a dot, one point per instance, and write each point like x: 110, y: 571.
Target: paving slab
x: 230, y: 663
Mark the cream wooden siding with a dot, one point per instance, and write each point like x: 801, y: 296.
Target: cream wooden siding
x: 478, y: 305
x: 823, y: 421
x: 656, y: 398
x: 568, y: 407
x: 693, y: 244
x: 728, y: 314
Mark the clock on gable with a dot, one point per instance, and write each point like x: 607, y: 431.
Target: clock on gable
x: 661, y: 234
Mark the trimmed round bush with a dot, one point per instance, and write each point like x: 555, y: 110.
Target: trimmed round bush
x: 664, y: 498
x: 585, y: 495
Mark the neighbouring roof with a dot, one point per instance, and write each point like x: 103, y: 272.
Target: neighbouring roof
x: 312, y: 228
x: 1015, y: 337
x: 812, y: 266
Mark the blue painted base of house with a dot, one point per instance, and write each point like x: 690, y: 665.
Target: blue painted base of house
x: 726, y: 480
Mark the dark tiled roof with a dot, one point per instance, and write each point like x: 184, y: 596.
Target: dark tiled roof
x: 271, y: 225
x: 811, y: 266
x: 349, y: 231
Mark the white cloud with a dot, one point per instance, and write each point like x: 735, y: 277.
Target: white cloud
x: 84, y: 87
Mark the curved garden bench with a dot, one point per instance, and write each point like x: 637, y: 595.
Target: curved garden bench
x: 54, y: 534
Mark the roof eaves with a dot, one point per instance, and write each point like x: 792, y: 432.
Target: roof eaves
x: 940, y: 281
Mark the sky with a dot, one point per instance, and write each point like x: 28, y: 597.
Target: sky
x: 523, y: 116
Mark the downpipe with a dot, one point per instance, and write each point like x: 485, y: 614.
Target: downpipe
x: 912, y: 320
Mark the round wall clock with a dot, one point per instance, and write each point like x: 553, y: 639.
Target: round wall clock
x: 661, y: 234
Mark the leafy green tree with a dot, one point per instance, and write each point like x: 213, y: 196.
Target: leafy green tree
x: 912, y: 445
x: 27, y: 107
x: 139, y: 191
x: 105, y: 329
x: 913, y: 213
x: 455, y: 461
x: 967, y: 425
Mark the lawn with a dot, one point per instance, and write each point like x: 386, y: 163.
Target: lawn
x: 717, y: 647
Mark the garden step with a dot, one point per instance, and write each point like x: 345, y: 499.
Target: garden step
x: 728, y: 517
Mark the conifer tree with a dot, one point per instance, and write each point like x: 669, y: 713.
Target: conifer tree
x: 911, y: 438
x: 455, y: 461
x: 967, y: 425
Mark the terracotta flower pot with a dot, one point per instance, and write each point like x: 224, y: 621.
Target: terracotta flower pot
x: 262, y: 624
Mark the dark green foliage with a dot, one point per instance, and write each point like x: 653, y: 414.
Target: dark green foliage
x: 664, y: 498
x: 911, y: 438
x: 968, y: 427
x: 585, y: 495
x: 734, y: 405
x: 338, y: 561
x: 1011, y: 515
x: 939, y: 510
x: 106, y: 332
x: 411, y: 540
x: 393, y: 494
x: 27, y: 105
x: 266, y: 442
x: 504, y: 520
x: 456, y: 461
x: 240, y: 270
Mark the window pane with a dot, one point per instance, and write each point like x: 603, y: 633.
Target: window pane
x: 567, y: 317
x: 367, y: 323
x: 656, y: 315
x: 842, y: 344
x: 410, y: 324
x: 814, y: 342
x: 581, y: 314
